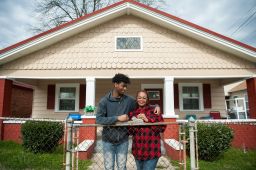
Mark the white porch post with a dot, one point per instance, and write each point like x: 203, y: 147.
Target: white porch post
x: 169, y: 97
x: 90, y: 91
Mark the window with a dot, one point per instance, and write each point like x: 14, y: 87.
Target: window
x: 130, y: 43
x: 153, y: 95
x: 67, y: 97
x: 246, y: 101
x: 191, y: 97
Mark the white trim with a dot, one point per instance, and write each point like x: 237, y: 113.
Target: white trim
x: 14, y: 121
x: 173, y: 143
x: 129, y: 50
x: 195, y: 32
x: 90, y: 91
x: 220, y: 120
x: 201, y: 99
x: 86, y: 22
x: 170, y: 116
x: 169, y: 96
x: 133, y: 77
x: 151, y: 86
x: 57, y: 91
x: 84, y: 146
x: 133, y: 9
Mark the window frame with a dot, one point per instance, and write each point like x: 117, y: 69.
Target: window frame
x: 200, y: 90
x: 141, y: 43
x: 246, y: 101
x: 57, y: 92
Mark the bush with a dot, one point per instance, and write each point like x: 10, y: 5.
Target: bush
x: 41, y: 136
x: 213, y: 140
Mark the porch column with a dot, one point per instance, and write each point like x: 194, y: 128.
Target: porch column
x: 5, y: 101
x: 90, y: 91
x: 5, y: 97
x: 169, y: 98
x: 251, y: 91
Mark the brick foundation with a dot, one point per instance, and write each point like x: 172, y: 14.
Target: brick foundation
x: 87, y: 133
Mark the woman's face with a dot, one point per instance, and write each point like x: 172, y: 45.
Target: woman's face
x: 142, y: 99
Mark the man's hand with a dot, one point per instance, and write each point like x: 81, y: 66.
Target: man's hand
x: 157, y: 110
x: 123, y: 118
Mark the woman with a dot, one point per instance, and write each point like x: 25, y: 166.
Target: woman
x: 146, y: 145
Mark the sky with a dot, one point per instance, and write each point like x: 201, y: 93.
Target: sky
x: 233, y: 18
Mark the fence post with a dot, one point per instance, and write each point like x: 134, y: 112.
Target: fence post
x: 191, y: 123
x: 69, y: 143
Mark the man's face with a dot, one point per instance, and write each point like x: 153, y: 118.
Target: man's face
x: 120, y: 87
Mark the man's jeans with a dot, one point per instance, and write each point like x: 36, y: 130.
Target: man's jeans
x: 112, y: 152
x: 147, y: 164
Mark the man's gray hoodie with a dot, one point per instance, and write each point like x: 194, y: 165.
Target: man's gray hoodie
x: 108, y: 110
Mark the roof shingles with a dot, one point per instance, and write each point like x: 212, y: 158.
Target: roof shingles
x: 162, y: 49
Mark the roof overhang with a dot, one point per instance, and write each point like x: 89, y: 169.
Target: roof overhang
x: 125, y: 8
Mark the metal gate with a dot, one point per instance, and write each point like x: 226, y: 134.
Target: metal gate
x: 84, y: 147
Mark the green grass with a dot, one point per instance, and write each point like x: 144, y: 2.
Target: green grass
x: 233, y: 159
x: 12, y: 157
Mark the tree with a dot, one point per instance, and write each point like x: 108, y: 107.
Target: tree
x: 53, y: 13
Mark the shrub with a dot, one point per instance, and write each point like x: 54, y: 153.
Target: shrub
x: 41, y: 136
x: 213, y: 140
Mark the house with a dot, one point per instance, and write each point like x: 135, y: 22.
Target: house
x: 183, y: 66
x: 238, y: 91
x: 237, y: 100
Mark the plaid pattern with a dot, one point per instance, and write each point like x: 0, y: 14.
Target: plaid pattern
x: 146, y: 139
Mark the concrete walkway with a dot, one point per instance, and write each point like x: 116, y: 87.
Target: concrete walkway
x: 98, y: 163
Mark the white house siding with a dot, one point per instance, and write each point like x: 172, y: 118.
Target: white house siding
x: 92, y: 53
x: 217, y: 98
x: 39, y: 109
x: 104, y: 85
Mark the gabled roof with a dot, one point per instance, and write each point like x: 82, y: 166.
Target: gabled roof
x: 239, y: 87
x: 127, y: 7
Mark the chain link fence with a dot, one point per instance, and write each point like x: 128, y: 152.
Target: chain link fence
x: 59, y: 144
x: 166, y: 140
x: 28, y: 143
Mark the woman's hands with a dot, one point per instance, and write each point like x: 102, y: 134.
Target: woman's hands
x: 143, y: 117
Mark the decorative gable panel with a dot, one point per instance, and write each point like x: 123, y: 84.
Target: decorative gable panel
x: 95, y: 49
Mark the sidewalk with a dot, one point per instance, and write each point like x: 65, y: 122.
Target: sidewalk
x: 98, y: 163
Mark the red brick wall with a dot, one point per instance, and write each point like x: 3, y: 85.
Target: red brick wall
x: 172, y: 130
x: 89, y: 132
x: 12, y: 132
x: 22, y: 99
x: 5, y: 97
x: 244, y: 135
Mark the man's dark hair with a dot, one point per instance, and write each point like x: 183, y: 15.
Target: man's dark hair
x: 118, y: 78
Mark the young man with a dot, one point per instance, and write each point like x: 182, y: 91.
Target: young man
x: 112, y: 108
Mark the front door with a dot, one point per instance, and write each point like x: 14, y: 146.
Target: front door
x: 155, y: 97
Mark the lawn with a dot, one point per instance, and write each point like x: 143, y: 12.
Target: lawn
x: 12, y: 156
x: 233, y: 159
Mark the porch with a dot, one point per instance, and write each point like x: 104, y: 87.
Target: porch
x: 178, y: 96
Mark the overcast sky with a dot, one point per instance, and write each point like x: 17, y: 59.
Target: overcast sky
x: 222, y: 16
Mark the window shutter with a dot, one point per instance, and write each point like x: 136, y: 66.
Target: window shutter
x: 82, y: 96
x: 207, y: 96
x: 176, y: 96
x: 51, y: 96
